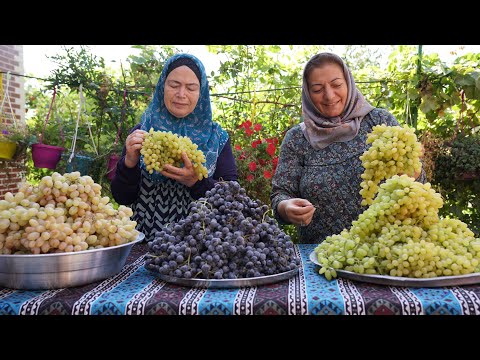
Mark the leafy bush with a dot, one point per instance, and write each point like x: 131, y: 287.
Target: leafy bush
x: 457, y: 177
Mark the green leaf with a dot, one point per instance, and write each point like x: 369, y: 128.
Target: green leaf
x: 428, y: 104
x: 465, y: 80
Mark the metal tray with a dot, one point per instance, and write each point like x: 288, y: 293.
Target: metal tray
x: 61, y: 270
x: 439, y: 281
x: 229, y: 283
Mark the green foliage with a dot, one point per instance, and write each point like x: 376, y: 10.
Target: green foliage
x: 465, y: 155
x: 145, y: 68
x: 457, y: 177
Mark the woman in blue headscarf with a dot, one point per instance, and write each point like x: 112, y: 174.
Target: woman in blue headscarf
x: 180, y: 104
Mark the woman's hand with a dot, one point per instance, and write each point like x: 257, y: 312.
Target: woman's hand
x: 296, y: 211
x: 134, y: 144
x: 185, y: 175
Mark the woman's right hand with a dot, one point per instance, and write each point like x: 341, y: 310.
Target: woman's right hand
x: 133, y: 145
x: 296, y: 211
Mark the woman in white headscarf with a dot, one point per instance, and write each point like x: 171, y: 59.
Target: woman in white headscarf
x: 317, y: 182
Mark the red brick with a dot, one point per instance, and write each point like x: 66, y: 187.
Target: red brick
x: 6, y: 67
x: 14, y: 51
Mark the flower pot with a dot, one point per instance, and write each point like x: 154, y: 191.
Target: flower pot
x: 112, y: 166
x: 46, y: 156
x: 80, y: 163
x: 7, y: 149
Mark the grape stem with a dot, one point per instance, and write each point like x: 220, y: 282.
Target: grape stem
x: 265, y: 213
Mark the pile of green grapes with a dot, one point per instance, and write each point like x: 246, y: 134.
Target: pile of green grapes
x: 161, y: 148
x: 63, y: 213
x: 401, y: 234
x: 394, y: 150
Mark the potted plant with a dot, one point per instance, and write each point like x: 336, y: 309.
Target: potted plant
x: 44, y: 153
x: 81, y: 161
x: 14, y: 140
x: 112, y: 165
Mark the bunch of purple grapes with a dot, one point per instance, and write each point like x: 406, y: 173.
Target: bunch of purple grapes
x: 226, y: 235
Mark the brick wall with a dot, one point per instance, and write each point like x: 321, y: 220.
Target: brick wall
x: 12, y: 173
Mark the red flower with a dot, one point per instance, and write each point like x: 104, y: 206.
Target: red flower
x: 256, y: 143
x: 273, y: 141
x: 245, y: 124
x: 257, y: 127
x: 267, y: 174
x: 248, y: 131
x: 238, y: 147
x: 250, y: 177
x: 262, y: 162
x: 275, y: 161
x: 252, y: 166
x: 271, y: 149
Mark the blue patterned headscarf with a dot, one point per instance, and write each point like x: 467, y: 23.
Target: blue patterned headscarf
x: 198, y: 125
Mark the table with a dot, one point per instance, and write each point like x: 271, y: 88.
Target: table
x: 136, y: 291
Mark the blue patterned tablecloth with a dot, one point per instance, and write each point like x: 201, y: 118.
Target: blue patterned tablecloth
x: 136, y: 291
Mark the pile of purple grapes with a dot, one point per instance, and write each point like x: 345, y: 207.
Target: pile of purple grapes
x: 226, y: 235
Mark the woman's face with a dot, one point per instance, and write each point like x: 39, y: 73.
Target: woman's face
x: 328, y: 89
x: 182, y: 91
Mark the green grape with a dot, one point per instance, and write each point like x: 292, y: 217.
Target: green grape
x: 394, y: 149
x: 401, y: 234
x: 160, y: 148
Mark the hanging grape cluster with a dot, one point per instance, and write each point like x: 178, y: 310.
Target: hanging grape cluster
x: 394, y: 150
x: 63, y: 213
x: 160, y: 148
x: 401, y: 234
x: 226, y: 235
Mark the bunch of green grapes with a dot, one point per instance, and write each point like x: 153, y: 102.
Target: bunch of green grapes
x: 161, y: 148
x: 401, y: 234
x: 63, y: 213
x: 394, y: 150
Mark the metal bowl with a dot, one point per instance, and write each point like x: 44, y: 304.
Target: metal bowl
x: 61, y: 270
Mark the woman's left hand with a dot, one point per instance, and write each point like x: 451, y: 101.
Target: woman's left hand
x: 185, y: 175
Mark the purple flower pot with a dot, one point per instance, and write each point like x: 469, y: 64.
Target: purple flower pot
x: 112, y: 166
x: 46, y: 156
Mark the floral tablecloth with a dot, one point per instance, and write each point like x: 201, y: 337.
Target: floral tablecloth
x: 137, y: 291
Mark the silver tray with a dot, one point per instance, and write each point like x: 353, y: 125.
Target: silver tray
x: 440, y: 281
x: 61, y: 270
x: 229, y: 283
